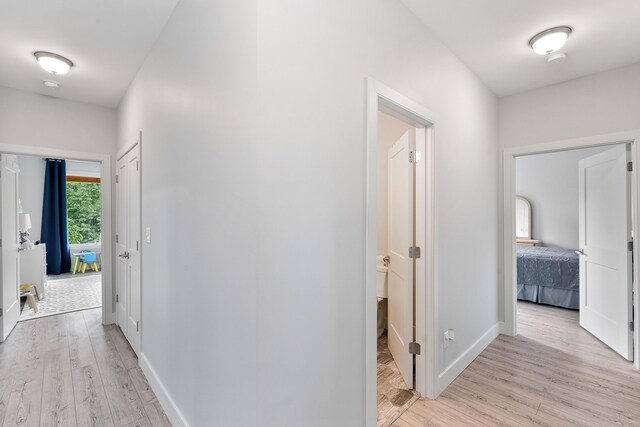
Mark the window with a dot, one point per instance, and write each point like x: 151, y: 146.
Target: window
x: 83, y: 209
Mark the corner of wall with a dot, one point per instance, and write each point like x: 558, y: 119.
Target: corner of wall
x: 460, y: 364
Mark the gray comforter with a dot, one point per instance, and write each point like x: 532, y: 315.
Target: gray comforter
x: 548, y: 276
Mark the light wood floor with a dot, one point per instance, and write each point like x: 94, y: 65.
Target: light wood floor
x: 70, y: 370
x: 553, y: 373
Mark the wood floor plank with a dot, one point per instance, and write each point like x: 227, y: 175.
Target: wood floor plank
x: 126, y: 406
x: 92, y: 407
x: 156, y: 415
x: 553, y: 373
x: 58, y: 406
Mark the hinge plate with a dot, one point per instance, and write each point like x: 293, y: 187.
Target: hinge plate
x: 137, y: 326
x: 630, y: 246
x: 415, y: 156
x: 117, y: 179
x: 117, y: 298
x: 631, y: 326
x: 414, y: 348
x: 414, y: 252
x: 116, y: 238
x: 629, y: 166
x: 0, y: 312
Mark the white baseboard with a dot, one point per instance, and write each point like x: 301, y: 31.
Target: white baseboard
x: 505, y: 329
x: 465, y: 359
x: 168, y: 404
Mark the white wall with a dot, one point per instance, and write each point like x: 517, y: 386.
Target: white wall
x: 44, y: 121
x: 253, y: 126
x: 594, y: 105
x: 550, y: 182
x: 32, y: 191
x: 390, y: 130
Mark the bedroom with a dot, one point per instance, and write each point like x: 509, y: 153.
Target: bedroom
x: 573, y: 229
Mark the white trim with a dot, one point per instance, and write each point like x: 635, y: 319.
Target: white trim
x: 460, y: 364
x: 166, y: 401
x: 508, y: 193
x: 124, y: 150
x: 105, y: 194
x: 380, y: 97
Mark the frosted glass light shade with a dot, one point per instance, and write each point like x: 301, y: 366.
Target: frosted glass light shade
x: 549, y: 40
x: 53, y: 63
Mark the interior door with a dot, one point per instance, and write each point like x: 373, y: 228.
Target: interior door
x: 605, y: 258
x: 133, y: 248
x: 128, y: 246
x: 400, y: 238
x: 9, y: 262
x: 122, y: 234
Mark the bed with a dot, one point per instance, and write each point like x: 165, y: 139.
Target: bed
x: 548, y: 276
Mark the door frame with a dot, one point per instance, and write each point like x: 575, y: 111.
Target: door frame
x: 509, y: 193
x: 379, y: 97
x: 108, y: 304
x: 121, y: 153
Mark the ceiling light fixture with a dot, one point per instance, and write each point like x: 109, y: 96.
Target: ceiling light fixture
x: 548, y: 41
x: 51, y: 84
x: 53, y: 63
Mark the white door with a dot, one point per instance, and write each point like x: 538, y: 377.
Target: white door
x: 9, y: 262
x: 128, y: 246
x: 400, y: 238
x: 605, y: 260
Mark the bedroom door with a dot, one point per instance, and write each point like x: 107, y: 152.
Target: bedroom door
x: 401, y: 265
x: 128, y: 275
x: 9, y: 261
x: 605, y: 258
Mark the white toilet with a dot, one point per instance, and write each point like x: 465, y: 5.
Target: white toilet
x: 381, y: 277
x: 382, y: 289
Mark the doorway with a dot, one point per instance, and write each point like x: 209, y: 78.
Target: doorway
x: 24, y: 224
x: 574, y: 273
x: 411, y: 285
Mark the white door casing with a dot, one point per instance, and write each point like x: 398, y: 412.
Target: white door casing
x: 606, y: 261
x: 9, y: 262
x: 128, y: 246
x: 401, y: 266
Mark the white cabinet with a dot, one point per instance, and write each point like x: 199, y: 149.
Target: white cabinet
x: 33, y: 267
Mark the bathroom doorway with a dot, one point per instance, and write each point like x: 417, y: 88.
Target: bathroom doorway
x: 400, y: 238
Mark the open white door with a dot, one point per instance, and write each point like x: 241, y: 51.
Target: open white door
x: 9, y: 262
x: 605, y: 258
x: 401, y: 237
x: 128, y: 243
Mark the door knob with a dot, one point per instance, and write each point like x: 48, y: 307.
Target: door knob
x: 580, y: 252
x: 124, y: 255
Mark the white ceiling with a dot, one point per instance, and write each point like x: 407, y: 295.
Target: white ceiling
x: 106, y: 39
x: 491, y: 37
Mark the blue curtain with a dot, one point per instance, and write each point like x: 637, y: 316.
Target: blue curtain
x: 55, y: 232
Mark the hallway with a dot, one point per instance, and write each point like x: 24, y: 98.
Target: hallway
x: 70, y: 370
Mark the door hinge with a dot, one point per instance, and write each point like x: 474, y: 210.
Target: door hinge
x: 630, y: 246
x: 631, y: 326
x: 137, y: 326
x: 414, y: 252
x: 137, y: 164
x: 137, y: 245
x: 116, y: 238
x: 117, y: 179
x: 117, y: 298
x: 0, y: 312
x: 0, y: 242
x: 629, y: 166
x: 414, y: 348
x: 415, y: 156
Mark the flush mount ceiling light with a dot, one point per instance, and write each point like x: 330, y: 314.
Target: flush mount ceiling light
x: 53, y: 63
x: 548, y: 41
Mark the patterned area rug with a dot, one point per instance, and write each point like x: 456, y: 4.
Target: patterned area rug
x: 393, y: 395
x: 67, y: 293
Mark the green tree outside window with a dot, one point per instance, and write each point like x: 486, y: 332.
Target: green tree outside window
x: 83, y: 210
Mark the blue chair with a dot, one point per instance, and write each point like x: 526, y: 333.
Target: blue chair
x: 87, y: 257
